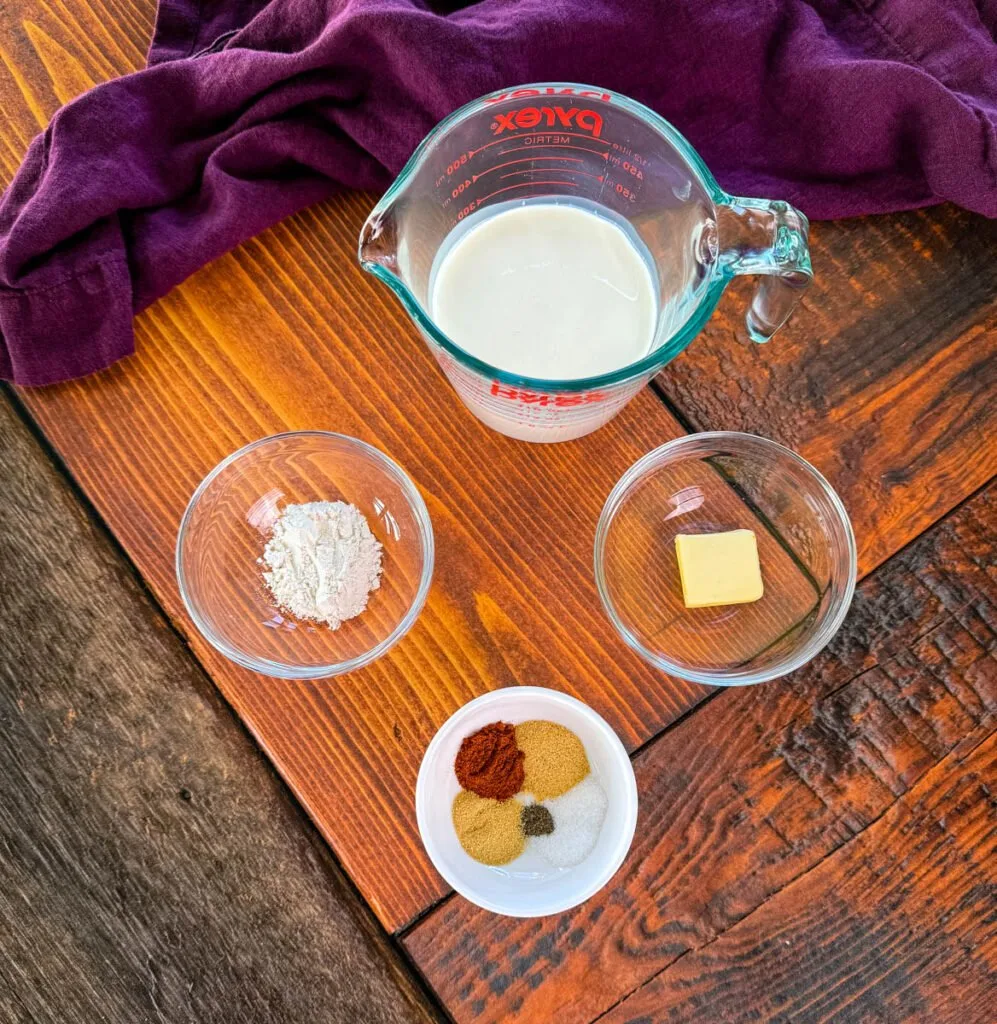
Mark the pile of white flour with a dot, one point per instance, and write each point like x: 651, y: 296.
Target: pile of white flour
x: 322, y: 561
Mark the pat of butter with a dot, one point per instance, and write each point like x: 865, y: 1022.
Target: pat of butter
x: 718, y: 568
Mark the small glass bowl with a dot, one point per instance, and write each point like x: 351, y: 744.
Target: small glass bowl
x: 711, y: 483
x: 226, y: 526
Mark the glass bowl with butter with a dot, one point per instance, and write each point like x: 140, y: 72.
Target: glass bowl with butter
x: 725, y: 558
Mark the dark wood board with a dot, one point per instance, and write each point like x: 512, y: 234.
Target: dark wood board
x: 153, y: 868
x: 899, y: 925
x: 755, y: 789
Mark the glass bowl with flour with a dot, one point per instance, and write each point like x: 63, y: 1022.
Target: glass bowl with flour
x: 305, y: 555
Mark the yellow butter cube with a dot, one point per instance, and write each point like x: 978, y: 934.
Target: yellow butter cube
x: 718, y: 568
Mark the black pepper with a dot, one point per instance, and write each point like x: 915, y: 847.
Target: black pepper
x: 537, y: 820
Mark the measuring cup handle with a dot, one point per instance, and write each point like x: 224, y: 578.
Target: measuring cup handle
x: 769, y: 238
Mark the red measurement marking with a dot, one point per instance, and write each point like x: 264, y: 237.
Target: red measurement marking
x: 530, y: 135
x: 525, y: 184
x: 525, y: 160
x: 555, y: 145
x: 569, y: 170
x: 627, y: 151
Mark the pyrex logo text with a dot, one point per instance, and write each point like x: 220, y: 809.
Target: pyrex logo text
x: 530, y: 117
x: 533, y: 398
x: 552, y: 117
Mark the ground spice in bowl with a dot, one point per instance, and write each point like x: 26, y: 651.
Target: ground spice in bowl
x: 489, y: 763
x: 537, y: 820
x: 554, y: 761
x: 526, y: 787
x: 489, y: 830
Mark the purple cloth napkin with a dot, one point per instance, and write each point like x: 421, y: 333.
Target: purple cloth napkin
x: 252, y: 109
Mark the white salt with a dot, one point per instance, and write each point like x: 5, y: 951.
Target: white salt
x: 578, y: 816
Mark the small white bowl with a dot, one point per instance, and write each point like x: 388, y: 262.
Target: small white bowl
x: 527, y: 887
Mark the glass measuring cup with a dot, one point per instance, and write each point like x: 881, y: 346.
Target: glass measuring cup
x: 575, y: 144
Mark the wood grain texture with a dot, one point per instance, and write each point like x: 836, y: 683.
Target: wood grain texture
x: 899, y: 925
x: 757, y: 788
x: 287, y: 333
x: 154, y: 868
x: 884, y: 378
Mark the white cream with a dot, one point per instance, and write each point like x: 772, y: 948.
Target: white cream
x: 546, y: 290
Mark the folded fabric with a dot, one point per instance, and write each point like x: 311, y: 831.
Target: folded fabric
x: 252, y: 109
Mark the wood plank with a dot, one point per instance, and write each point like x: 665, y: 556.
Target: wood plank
x: 154, y: 868
x: 288, y: 333
x: 899, y: 925
x: 884, y: 378
x: 754, y: 790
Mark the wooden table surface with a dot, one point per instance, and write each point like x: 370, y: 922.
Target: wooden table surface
x: 813, y: 849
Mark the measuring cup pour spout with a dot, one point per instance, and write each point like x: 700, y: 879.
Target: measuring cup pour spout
x: 388, y: 250
x: 379, y: 241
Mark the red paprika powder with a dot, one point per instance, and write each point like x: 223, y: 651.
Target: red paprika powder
x: 489, y: 763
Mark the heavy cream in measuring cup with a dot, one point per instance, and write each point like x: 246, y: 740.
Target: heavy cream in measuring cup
x: 545, y: 289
